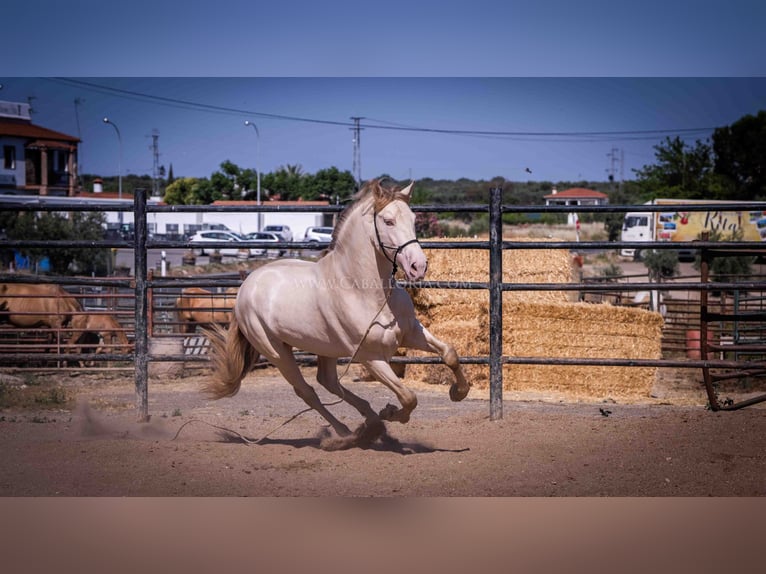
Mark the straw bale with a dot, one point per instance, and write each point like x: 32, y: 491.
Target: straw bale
x: 536, y: 324
x: 519, y: 266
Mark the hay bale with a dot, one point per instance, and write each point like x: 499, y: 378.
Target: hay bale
x: 536, y: 324
x: 472, y: 265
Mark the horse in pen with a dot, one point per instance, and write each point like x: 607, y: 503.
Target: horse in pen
x: 346, y: 304
x: 51, y: 310
x: 200, y: 307
x: 100, y: 333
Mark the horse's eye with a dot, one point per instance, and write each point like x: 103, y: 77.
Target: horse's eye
x: 389, y: 222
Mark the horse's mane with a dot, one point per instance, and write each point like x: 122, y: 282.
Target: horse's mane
x: 372, y: 192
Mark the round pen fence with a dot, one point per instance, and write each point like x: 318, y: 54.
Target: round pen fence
x: 502, y: 319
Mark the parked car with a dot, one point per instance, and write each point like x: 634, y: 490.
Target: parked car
x: 202, y: 237
x: 318, y: 234
x: 282, y: 231
x: 265, y: 238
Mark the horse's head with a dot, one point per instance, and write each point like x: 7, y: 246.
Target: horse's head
x: 394, y: 224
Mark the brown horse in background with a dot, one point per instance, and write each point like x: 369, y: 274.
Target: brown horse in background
x: 197, y: 306
x: 100, y: 334
x: 33, y: 305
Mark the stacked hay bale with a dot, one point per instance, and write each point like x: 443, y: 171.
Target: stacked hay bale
x: 535, y: 324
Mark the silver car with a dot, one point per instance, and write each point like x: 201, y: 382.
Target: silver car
x: 318, y: 234
x: 216, y: 236
x: 282, y: 231
x: 266, y: 239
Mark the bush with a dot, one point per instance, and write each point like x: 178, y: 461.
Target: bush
x: 661, y: 263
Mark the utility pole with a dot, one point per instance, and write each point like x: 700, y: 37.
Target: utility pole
x: 356, y: 169
x: 156, y: 163
x: 613, y: 160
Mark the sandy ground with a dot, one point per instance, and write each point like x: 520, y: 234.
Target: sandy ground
x: 670, y: 445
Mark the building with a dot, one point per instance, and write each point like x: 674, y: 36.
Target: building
x: 35, y: 160
x: 177, y: 225
x: 576, y: 196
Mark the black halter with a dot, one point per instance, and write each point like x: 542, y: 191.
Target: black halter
x: 383, y: 246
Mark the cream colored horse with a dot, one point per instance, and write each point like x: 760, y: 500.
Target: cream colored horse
x: 346, y: 304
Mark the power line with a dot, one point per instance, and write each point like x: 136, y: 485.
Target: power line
x: 522, y: 135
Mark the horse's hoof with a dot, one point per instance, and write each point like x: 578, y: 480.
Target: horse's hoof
x: 457, y: 392
x: 368, y: 432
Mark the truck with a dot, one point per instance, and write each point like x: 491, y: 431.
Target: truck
x: 679, y: 225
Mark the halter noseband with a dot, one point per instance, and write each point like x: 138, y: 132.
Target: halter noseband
x: 383, y: 246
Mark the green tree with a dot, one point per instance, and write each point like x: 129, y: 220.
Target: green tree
x: 224, y: 182
x: 55, y: 227
x: 740, y: 156
x: 331, y: 184
x: 191, y: 191
x: 287, y: 182
x: 681, y: 171
x: 171, y: 177
x: 234, y: 182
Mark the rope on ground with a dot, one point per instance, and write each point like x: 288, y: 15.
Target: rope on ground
x: 244, y: 439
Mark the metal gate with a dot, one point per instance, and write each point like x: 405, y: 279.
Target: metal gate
x: 144, y: 283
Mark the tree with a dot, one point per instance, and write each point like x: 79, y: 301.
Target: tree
x: 225, y: 181
x: 54, y: 227
x: 287, y: 182
x: 190, y: 191
x: 740, y: 156
x: 331, y: 184
x: 681, y: 171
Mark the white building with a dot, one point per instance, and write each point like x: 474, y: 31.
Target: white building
x: 576, y: 196
x: 174, y: 225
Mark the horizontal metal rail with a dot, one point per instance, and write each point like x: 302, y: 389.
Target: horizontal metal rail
x: 143, y: 281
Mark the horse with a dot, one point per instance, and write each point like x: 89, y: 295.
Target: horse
x: 346, y: 304
x: 99, y: 333
x: 33, y: 305
x: 30, y: 305
x: 197, y: 306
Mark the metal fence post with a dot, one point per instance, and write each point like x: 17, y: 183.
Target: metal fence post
x: 495, y: 303
x: 142, y: 340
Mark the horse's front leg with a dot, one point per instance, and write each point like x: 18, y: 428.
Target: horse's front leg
x: 382, y: 372
x: 422, y: 339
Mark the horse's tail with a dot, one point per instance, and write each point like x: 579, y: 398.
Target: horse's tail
x: 232, y: 357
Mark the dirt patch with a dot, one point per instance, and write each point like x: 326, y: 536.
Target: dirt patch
x: 541, y: 446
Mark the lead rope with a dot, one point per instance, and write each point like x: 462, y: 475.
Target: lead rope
x: 248, y: 441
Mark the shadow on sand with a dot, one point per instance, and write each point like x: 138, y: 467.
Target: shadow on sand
x: 384, y: 443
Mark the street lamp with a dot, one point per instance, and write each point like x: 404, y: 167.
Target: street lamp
x: 257, y: 171
x: 119, y: 165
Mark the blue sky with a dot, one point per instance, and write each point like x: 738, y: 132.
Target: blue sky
x: 562, y: 70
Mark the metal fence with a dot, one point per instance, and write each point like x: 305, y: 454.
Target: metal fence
x: 144, y: 284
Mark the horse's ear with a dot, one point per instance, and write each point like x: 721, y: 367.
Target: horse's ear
x: 407, y: 191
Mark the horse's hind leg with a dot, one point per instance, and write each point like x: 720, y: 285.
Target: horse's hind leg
x: 327, y: 376
x: 372, y: 427
x: 422, y: 339
x: 290, y: 371
x: 382, y: 371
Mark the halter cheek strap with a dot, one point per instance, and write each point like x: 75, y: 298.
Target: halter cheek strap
x: 383, y: 246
